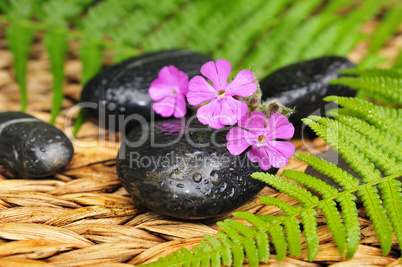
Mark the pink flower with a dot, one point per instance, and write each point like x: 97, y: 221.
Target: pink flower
x: 169, y: 90
x: 261, y: 135
x: 223, y: 109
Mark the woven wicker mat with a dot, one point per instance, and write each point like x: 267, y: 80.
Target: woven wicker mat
x: 82, y: 216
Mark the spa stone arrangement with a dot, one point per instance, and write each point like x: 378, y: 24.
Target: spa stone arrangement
x: 195, y: 165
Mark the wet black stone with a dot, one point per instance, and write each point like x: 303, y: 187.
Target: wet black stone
x: 122, y: 89
x: 30, y: 147
x: 302, y: 86
x: 179, y: 172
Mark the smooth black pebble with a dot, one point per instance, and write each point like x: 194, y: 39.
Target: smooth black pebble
x: 185, y: 172
x: 122, y: 89
x: 30, y: 147
x: 302, y: 87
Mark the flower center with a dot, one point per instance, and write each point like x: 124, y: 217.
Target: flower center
x: 174, y: 93
x: 221, y: 93
x: 261, y: 139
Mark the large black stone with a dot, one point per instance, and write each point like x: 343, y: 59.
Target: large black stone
x: 185, y: 172
x: 122, y: 89
x: 31, y: 147
x: 302, y: 87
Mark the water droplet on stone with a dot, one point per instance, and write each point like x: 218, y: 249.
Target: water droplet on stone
x: 232, y: 192
x: 197, y: 177
x: 313, y: 97
x: 42, y: 149
x: 180, y: 185
x: 214, y: 209
x: 223, y: 187
x: 215, y: 177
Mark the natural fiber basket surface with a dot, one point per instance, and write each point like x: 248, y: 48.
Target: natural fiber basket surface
x: 82, y: 216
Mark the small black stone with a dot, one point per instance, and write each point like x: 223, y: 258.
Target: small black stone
x: 302, y: 86
x: 122, y: 89
x: 31, y: 147
x: 185, y: 171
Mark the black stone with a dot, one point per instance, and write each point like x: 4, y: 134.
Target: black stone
x: 187, y: 172
x: 302, y: 86
x: 122, y: 89
x: 30, y: 147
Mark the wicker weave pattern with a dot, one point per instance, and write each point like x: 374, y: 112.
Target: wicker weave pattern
x: 83, y: 216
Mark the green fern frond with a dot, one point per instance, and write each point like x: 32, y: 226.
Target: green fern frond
x: 374, y: 72
x: 264, y: 51
x: 389, y: 25
x: 351, y: 222
x: 389, y: 88
x: 285, y: 207
x: 382, y: 159
x: 264, y: 18
x: 301, y: 194
x: 293, y: 235
x: 19, y: 39
x: 346, y: 42
x: 111, y: 11
x: 310, y: 30
x: 328, y: 208
x: 351, y: 153
x: 392, y: 199
x: 390, y: 143
x: 138, y: 23
x: 376, y: 212
x: 310, y: 232
x: 340, y: 176
x: 317, y: 185
x: 334, y: 223
x: 384, y: 118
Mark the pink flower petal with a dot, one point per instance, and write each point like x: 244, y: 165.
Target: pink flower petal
x: 238, y: 140
x: 167, y: 73
x: 260, y: 155
x: 232, y: 110
x: 279, y: 127
x: 209, y: 71
x: 159, y: 89
x: 169, y: 79
x: 224, y: 67
x: 165, y: 107
x: 280, y: 152
x: 209, y: 114
x: 279, y: 161
x: 243, y: 84
x: 181, y: 79
x: 254, y: 122
x: 180, y: 109
x: 199, y: 91
x: 286, y: 149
